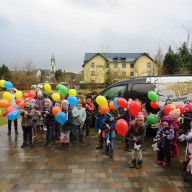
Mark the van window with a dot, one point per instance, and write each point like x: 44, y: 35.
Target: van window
x: 113, y: 92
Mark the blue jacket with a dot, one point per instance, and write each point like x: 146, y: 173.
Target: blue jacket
x: 98, y: 121
x: 105, y: 131
x: 68, y: 122
x: 50, y: 118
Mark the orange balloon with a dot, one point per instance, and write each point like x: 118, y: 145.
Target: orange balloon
x: 21, y: 104
x: 4, y: 103
x: 112, y: 106
x: 56, y: 110
x: 104, y: 109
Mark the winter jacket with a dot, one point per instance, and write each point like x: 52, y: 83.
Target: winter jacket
x: 139, y: 133
x: 161, y: 114
x: 98, y: 121
x: 44, y: 95
x: 27, y: 120
x: 76, y: 111
x: 105, y: 131
x: 127, y: 117
x: 35, y: 117
x: 68, y: 122
x: 165, y: 141
x: 89, y: 109
x: 40, y: 103
x: 176, y: 125
x: 187, y: 118
x: 50, y: 118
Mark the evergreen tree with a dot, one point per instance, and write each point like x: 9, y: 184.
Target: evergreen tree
x: 5, y: 73
x: 58, y: 74
x: 108, y: 78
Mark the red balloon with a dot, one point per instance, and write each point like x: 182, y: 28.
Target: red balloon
x: 18, y: 100
x: 104, y: 109
x: 121, y: 102
x: 154, y: 104
x: 9, y: 110
x: 32, y: 94
x: 25, y: 95
x: 168, y: 108
x: 182, y: 109
x: 134, y: 107
x: 121, y: 127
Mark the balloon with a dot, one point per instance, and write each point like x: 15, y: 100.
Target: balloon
x: 182, y: 109
x: 21, y: 104
x: 25, y: 95
x: 18, y: 94
x: 72, y: 100
x: 16, y: 107
x: 9, y: 110
x: 134, y: 107
x: 63, y: 89
x: 2, y: 83
x: 130, y: 101
x: 121, y: 127
x: 61, y: 117
x: 104, y: 109
x: 32, y: 94
x: 173, y: 106
x: 7, y: 96
x: 4, y: 103
x: 151, y: 119
x: 0, y: 112
x: 56, y: 96
x: 47, y: 87
x: 121, y: 102
x: 115, y: 104
x: 101, y: 100
x: 154, y: 104
x: 152, y: 96
x: 58, y: 87
x: 8, y: 85
x: 13, y: 115
x: 18, y: 100
x: 56, y: 110
x: 112, y: 106
x: 72, y: 92
x: 168, y: 108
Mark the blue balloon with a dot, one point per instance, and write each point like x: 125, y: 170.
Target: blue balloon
x: 12, y: 115
x: 72, y: 100
x: 16, y: 107
x: 115, y: 104
x: 61, y: 117
x: 8, y: 85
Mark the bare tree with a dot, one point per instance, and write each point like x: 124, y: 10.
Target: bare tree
x: 159, y: 57
x: 29, y: 66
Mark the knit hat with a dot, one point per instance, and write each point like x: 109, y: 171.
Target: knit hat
x: 66, y: 102
x: 175, y: 113
x: 79, y: 101
x: 49, y: 101
x: 89, y: 97
x: 139, y: 116
x: 167, y: 119
x: 39, y: 93
x: 108, y: 115
x: 33, y: 101
x: 27, y: 100
x: 57, y: 105
x: 189, y: 106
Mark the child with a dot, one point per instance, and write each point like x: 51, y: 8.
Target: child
x: 35, y: 117
x: 66, y: 127
x: 137, y: 133
x: 26, y: 122
x: 187, y: 136
x: 187, y: 117
x: 79, y: 116
x: 49, y: 122
x: 175, y: 114
x: 98, y: 123
x: 108, y: 131
x: 88, y: 104
x: 165, y: 136
x: 40, y: 101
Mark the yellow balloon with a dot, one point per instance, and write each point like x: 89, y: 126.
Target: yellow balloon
x: 173, y: 106
x: 2, y: 83
x: 56, y: 96
x: 73, y: 92
x: 101, y: 100
x: 0, y: 112
x: 18, y: 94
x: 47, y: 87
x: 7, y: 96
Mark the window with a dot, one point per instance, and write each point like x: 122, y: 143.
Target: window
x: 123, y: 74
x: 107, y: 65
x: 115, y: 74
x: 123, y: 65
x: 148, y: 65
x: 92, y: 81
x: 131, y: 65
x: 92, y: 64
x: 149, y: 73
x: 131, y: 73
x: 92, y: 73
x: 111, y: 93
x: 115, y: 65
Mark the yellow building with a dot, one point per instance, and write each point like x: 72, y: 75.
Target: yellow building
x: 121, y: 66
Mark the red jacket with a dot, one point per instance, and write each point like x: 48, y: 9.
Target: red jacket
x: 90, y: 106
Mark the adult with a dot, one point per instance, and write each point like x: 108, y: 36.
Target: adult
x: 39, y: 88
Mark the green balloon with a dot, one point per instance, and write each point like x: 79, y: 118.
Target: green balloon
x: 64, y: 90
x: 152, y: 96
x: 151, y: 119
x: 58, y: 87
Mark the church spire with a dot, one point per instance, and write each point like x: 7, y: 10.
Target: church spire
x: 53, y: 64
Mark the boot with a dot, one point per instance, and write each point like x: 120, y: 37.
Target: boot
x: 139, y: 164
x: 62, y: 146
x: 100, y: 146
x: 133, y: 163
x: 24, y: 144
x: 111, y: 154
x: 107, y: 152
x: 81, y: 138
x: 31, y: 144
x: 74, y: 139
x: 9, y: 133
x: 16, y: 132
x: 45, y: 144
x: 67, y: 147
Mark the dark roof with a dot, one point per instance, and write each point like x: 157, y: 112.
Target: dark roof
x: 115, y: 57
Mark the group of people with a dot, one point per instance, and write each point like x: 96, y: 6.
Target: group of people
x: 80, y: 117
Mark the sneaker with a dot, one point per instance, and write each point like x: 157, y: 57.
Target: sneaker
x: 16, y: 133
x: 9, y: 133
x: 165, y: 164
x: 159, y: 162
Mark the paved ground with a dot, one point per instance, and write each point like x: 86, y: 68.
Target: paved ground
x: 83, y: 168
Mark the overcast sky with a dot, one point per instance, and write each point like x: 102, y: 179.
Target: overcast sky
x: 34, y: 29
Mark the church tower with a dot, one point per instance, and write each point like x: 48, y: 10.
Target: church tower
x: 53, y: 69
